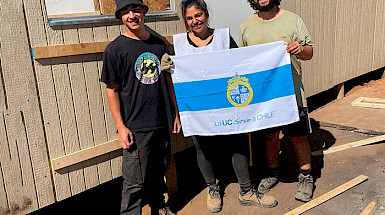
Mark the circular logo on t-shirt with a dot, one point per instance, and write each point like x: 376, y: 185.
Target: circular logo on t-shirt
x: 147, y: 68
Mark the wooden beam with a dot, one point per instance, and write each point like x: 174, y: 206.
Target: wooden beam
x: 327, y: 196
x: 75, y: 49
x: 85, y: 154
x: 349, y: 145
x: 369, y: 102
x: 250, y: 151
x: 370, y: 209
x: 75, y: 14
x: 68, y: 50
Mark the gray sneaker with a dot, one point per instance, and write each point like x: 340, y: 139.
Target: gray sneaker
x: 258, y: 199
x: 214, y: 201
x: 305, y: 188
x: 267, y: 183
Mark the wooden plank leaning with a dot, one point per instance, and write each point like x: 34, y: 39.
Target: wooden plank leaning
x: 327, y: 196
x: 349, y: 145
x: 85, y: 154
x: 370, y: 209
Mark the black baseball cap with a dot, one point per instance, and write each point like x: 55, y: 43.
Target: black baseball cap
x: 120, y: 4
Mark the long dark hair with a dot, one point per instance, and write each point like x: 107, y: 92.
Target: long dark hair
x: 198, y: 4
x: 252, y: 3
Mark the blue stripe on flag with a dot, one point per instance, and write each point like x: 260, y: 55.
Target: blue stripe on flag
x: 212, y: 94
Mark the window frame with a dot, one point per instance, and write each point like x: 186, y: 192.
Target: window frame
x: 110, y: 18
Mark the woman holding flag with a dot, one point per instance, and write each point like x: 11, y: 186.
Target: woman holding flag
x: 200, y: 38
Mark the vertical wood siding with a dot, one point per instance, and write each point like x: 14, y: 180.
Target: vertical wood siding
x: 24, y: 161
x: 53, y: 107
x: 348, y: 38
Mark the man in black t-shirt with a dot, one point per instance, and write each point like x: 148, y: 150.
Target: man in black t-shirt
x: 142, y: 102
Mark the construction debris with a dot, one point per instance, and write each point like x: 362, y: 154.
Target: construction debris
x: 349, y: 145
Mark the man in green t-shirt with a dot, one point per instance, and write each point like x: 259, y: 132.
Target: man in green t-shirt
x: 271, y: 23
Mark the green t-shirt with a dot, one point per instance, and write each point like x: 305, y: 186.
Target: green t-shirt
x: 288, y: 27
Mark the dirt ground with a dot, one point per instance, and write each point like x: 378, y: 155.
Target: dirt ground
x: 331, y: 171
x: 333, y: 124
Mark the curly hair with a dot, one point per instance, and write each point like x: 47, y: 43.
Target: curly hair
x: 198, y: 4
x: 252, y: 3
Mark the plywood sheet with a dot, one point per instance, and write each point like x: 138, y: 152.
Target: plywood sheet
x: 109, y: 7
x: 156, y: 5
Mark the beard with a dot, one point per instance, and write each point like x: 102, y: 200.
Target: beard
x: 259, y: 7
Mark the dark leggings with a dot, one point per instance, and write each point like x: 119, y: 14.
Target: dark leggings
x: 210, y: 147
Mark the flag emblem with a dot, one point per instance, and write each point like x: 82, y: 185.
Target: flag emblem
x: 239, y: 91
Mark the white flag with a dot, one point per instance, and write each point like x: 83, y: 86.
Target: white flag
x: 236, y: 90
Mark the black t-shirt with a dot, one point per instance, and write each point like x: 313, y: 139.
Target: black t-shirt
x: 134, y: 65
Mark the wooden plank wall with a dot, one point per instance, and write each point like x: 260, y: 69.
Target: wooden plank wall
x: 52, y: 107
x: 348, y: 37
x: 25, y: 171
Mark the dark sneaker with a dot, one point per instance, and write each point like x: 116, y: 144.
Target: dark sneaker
x: 214, y: 201
x: 258, y: 199
x: 165, y: 211
x: 305, y: 188
x: 267, y: 183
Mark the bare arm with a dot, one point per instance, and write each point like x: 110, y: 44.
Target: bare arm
x: 177, y: 125
x: 304, y: 52
x: 125, y: 135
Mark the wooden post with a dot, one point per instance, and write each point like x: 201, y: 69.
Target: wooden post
x: 171, y: 177
x: 251, y: 151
